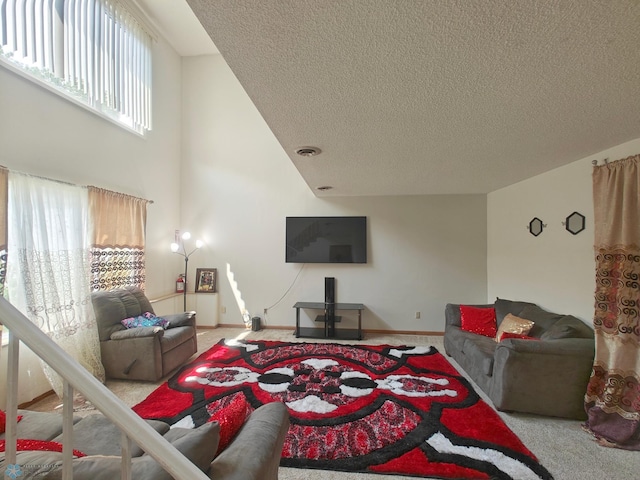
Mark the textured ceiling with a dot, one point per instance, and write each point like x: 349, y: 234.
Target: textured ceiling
x: 434, y: 97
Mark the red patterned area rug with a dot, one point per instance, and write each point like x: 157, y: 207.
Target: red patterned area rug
x: 358, y: 408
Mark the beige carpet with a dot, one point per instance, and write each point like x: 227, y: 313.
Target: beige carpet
x: 561, y: 445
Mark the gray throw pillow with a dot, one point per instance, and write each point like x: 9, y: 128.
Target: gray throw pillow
x: 97, y: 435
x: 199, y: 444
x: 542, y: 319
x: 567, y: 327
x: 504, y: 307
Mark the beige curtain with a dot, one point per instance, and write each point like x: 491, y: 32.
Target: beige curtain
x: 117, y: 250
x: 612, y: 400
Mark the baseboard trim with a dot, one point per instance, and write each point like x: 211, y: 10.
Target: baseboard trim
x: 36, y: 400
x: 385, y: 332
x: 406, y: 332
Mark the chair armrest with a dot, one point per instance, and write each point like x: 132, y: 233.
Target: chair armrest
x: 137, y: 332
x: 186, y: 319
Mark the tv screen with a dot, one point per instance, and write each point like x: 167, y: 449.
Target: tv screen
x: 326, y: 240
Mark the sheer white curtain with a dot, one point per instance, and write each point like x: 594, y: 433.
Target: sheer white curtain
x: 48, y: 266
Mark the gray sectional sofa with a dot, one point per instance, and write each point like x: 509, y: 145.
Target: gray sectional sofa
x: 547, y: 376
x: 253, y: 454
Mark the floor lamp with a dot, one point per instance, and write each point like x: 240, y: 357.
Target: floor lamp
x: 175, y: 248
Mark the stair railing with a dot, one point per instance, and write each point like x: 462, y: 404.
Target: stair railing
x: 132, y: 426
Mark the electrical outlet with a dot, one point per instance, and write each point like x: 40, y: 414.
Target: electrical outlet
x: 417, y: 315
x: 265, y: 311
x: 223, y: 309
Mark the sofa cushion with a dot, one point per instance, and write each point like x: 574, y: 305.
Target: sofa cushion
x: 93, y: 467
x: 481, y: 350
x: 139, y: 332
x: 175, y: 337
x: 481, y: 321
x: 199, y: 444
x: 34, y: 464
x: 3, y: 420
x: 504, y: 307
x: 39, y: 425
x: 514, y: 325
x: 567, y: 327
x: 542, y: 319
x: 108, y: 441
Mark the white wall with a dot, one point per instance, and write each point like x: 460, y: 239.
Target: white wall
x: 239, y: 185
x: 555, y: 269
x: 43, y: 134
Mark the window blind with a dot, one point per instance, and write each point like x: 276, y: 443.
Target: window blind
x: 93, y: 50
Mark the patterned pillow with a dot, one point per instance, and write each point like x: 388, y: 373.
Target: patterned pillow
x: 147, y: 319
x: 513, y: 324
x: 481, y: 321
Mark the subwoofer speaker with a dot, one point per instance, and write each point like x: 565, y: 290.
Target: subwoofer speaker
x: 329, y: 290
x: 330, y: 305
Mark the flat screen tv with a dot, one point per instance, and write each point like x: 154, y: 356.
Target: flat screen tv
x: 326, y: 240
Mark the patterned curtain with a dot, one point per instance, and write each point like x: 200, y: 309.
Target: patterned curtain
x: 612, y: 400
x: 48, y: 269
x: 117, y: 250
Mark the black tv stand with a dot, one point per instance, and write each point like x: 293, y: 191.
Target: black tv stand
x: 329, y: 319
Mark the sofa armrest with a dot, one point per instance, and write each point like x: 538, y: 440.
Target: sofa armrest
x: 254, y: 453
x: 186, y: 319
x: 138, y: 332
x: 542, y: 377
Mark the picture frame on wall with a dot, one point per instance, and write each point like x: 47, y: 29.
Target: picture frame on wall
x: 206, y: 280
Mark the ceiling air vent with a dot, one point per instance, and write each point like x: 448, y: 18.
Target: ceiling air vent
x: 308, y: 151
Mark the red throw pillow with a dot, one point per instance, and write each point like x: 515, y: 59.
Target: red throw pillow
x: 42, y: 445
x: 521, y: 336
x: 3, y: 420
x: 481, y: 321
x: 231, y: 418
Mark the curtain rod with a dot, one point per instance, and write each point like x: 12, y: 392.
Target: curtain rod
x: 63, y: 182
x: 119, y: 193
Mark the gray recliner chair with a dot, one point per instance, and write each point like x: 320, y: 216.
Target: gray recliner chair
x: 141, y: 353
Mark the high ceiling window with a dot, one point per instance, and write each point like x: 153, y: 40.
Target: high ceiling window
x: 96, y: 52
